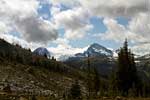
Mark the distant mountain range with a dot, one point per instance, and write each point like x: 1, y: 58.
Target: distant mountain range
x: 94, y: 50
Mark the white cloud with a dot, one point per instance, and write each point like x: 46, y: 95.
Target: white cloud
x: 64, y: 49
x: 72, y: 19
x: 115, y: 8
x: 109, y: 8
x: 117, y: 32
x: 75, y: 22
x: 22, y: 16
x: 36, y: 30
x: 141, y: 25
x: 61, y: 41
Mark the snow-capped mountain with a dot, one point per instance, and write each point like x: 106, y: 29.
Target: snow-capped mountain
x: 42, y: 52
x: 96, y: 50
x: 100, y: 57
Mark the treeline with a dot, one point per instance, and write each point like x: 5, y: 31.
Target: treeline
x: 15, y: 53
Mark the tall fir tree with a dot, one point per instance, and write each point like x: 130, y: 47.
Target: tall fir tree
x: 75, y: 91
x: 126, y: 75
x: 96, y: 82
x: 89, y: 77
x: 93, y: 80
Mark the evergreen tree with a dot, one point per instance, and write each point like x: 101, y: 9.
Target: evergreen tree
x: 96, y: 81
x: 45, y: 55
x: 75, y: 91
x: 126, y: 74
x: 93, y: 80
x: 89, y: 78
x: 53, y: 58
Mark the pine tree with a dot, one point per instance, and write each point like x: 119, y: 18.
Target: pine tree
x: 89, y: 78
x: 126, y: 74
x: 96, y: 81
x: 45, y: 55
x: 75, y: 91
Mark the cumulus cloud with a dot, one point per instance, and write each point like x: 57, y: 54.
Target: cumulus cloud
x: 111, y: 8
x: 75, y: 22
x: 141, y: 25
x: 115, y: 8
x: 118, y: 32
x: 36, y: 30
x: 22, y: 16
x: 137, y: 32
x: 85, y: 9
x: 62, y: 41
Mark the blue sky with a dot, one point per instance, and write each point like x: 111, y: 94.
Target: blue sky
x: 70, y: 26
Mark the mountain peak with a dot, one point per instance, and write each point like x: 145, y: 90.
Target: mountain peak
x: 97, y: 50
x: 41, y: 51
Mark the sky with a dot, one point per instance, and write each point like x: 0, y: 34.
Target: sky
x: 67, y: 27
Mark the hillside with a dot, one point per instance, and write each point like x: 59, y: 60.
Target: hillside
x: 27, y: 74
